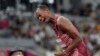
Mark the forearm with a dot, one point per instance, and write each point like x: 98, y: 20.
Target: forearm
x: 73, y: 45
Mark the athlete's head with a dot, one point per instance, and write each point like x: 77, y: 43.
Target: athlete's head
x: 43, y: 13
x: 17, y: 53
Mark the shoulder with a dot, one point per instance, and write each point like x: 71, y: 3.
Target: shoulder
x: 62, y: 19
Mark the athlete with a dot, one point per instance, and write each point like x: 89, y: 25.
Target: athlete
x: 67, y: 35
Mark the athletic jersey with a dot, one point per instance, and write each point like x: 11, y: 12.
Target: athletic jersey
x: 65, y: 41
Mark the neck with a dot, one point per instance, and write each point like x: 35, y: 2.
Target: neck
x: 51, y: 15
x: 52, y: 20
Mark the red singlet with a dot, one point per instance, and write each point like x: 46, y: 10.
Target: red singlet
x: 65, y: 41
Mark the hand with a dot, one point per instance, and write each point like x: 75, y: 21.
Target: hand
x: 59, y: 54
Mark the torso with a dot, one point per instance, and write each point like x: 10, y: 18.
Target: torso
x: 64, y: 39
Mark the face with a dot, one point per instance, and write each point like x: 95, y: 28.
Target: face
x: 42, y: 15
x: 18, y: 54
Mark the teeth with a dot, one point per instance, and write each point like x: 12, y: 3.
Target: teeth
x: 42, y: 19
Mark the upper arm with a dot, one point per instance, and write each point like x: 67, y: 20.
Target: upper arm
x: 66, y: 25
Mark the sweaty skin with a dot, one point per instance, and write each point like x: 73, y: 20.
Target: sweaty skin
x: 66, y: 26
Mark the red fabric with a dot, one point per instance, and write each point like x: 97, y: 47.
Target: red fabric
x: 4, y: 52
x: 28, y: 53
x: 4, y: 23
x: 65, y: 41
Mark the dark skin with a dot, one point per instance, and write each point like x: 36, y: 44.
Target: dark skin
x: 64, y: 24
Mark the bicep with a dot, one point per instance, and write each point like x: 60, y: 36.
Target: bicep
x: 66, y: 25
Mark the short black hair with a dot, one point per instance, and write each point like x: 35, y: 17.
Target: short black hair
x: 43, y: 7
x: 12, y: 52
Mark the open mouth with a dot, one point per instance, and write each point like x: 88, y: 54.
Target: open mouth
x: 43, y: 20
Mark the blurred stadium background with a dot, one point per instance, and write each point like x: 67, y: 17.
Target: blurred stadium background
x: 20, y: 30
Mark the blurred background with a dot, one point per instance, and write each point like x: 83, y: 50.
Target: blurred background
x: 20, y: 30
